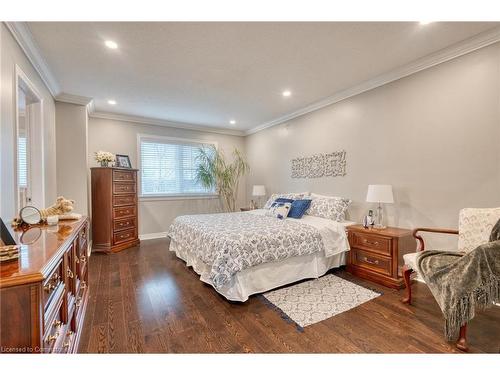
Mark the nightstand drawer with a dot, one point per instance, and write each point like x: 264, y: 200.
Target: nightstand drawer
x: 372, y: 243
x: 371, y: 261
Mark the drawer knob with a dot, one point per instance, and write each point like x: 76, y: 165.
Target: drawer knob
x: 57, y: 324
x: 83, y: 259
x: 70, y: 273
x: 370, y: 261
x: 78, y: 302
x: 69, y: 336
x: 371, y: 243
x: 52, y: 338
x: 49, y: 287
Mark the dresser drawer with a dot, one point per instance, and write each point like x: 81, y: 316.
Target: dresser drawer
x: 122, y: 212
x: 54, y: 328
x: 68, y: 341
x: 372, y: 243
x: 124, y: 236
x: 81, y: 265
x: 128, y: 176
x: 83, y: 236
x: 123, y: 188
x: 122, y: 224
x: 371, y: 261
x: 52, y: 283
x: 79, y: 302
x: 124, y: 200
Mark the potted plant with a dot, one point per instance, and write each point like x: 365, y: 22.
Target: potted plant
x: 214, y: 172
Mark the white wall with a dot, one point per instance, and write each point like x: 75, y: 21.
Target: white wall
x: 434, y: 136
x: 10, y: 56
x: 72, y: 168
x: 156, y: 215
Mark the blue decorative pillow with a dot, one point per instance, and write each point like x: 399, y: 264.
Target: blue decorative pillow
x: 299, y: 207
x: 281, y: 200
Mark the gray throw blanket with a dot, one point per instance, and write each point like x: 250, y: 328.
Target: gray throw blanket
x: 462, y: 283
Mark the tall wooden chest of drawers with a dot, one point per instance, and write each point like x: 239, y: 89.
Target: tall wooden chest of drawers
x: 114, y: 209
x: 44, y: 293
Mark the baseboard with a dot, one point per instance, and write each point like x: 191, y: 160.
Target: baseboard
x: 152, y: 236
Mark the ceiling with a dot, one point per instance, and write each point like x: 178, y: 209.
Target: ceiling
x: 206, y: 74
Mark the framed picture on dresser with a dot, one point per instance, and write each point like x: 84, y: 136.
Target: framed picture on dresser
x: 123, y: 161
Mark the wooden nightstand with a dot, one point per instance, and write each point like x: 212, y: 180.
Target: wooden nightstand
x: 377, y: 254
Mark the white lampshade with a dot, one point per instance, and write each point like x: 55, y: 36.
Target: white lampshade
x: 259, y: 190
x: 380, y: 194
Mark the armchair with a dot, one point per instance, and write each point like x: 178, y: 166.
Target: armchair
x: 475, y: 225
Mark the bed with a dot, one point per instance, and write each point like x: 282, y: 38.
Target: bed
x: 244, y: 253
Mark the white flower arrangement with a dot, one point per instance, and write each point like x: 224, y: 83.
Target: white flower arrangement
x: 104, y: 157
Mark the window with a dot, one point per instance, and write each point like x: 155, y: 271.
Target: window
x: 22, y: 162
x: 168, y: 167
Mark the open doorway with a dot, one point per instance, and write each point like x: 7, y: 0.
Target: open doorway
x: 29, y: 184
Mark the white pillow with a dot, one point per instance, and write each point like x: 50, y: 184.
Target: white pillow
x: 314, y: 195
x: 333, y: 208
x: 293, y: 196
x: 279, y: 210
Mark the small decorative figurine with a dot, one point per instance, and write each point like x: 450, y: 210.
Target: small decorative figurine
x: 369, y: 220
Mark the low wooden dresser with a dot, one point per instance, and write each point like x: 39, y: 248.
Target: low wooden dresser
x: 114, y: 209
x: 44, y: 293
x: 377, y: 254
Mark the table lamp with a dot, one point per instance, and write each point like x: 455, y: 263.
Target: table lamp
x: 258, y: 191
x: 379, y: 194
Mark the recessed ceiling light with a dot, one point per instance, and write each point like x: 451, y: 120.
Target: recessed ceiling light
x: 232, y: 122
x: 425, y: 22
x: 112, y: 102
x: 111, y: 44
x: 286, y: 93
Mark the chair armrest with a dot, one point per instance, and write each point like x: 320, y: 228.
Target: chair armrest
x: 432, y: 230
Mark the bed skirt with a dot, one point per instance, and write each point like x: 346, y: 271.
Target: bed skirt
x: 266, y: 276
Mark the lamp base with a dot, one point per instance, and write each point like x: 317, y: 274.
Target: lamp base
x: 379, y: 226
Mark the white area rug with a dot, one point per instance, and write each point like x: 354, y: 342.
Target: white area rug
x: 319, y: 299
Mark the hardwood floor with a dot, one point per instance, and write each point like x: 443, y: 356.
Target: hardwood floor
x: 144, y: 299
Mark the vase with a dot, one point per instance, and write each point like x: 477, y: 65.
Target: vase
x: 104, y: 163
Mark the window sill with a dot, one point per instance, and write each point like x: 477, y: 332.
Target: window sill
x: 152, y: 198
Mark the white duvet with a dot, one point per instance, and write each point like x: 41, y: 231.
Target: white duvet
x: 332, y: 233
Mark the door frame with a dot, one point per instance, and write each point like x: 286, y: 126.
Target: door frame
x: 36, y: 151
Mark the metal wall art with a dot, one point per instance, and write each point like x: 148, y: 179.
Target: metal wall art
x: 320, y: 165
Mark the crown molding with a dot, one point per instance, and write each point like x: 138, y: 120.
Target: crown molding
x: 73, y: 99
x: 481, y: 40
x: 22, y: 34
x: 166, y: 123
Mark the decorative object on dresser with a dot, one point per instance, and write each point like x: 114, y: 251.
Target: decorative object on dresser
x: 9, y: 249
x: 104, y: 158
x: 368, y: 220
x: 114, y: 209
x: 258, y: 191
x: 379, y: 194
x: 44, y: 293
x: 123, y: 161
x: 376, y: 255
